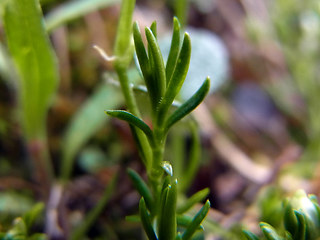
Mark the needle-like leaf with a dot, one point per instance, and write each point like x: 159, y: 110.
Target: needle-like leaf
x: 157, y: 66
x: 269, y: 232
x: 177, y: 79
x: 250, y: 235
x: 141, y: 187
x: 196, y: 222
x: 145, y: 219
x: 168, y: 222
x: 194, y: 199
x: 189, y: 105
x: 174, y: 50
x: 133, y: 120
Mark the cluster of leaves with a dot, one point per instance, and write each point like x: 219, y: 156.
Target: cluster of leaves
x: 158, y: 209
x: 20, y: 229
x: 301, y: 218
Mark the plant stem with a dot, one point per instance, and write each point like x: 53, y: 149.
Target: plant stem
x: 133, y: 108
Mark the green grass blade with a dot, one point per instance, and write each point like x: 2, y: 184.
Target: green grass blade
x: 74, y: 9
x: 194, y: 199
x: 85, y: 123
x: 158, y: 69
x: 196, y: 222
x: 174, y: 50
x: 35, y: 61
x: 141, y: 187
x: 133, y: 120
x: 189, y: 105
x: 177, y: 79
x: 145, y: 220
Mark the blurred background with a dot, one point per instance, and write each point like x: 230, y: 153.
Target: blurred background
x: 259, y: 127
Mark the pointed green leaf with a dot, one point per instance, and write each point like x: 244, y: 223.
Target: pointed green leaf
x: 185, y: 221
x: 133, y: 120
x: 167, y: 222
x: 145, y: 220
x: 290, y: 220
x: 153, y: 28
x: 18, y: 231
x: 30, y: 216
x: 177, y: 79
x: 196, y: 222
x: 249, y: 235
x: 142, y: 55
x: 174, y: 50
x: 189, y: 105
x: 194, y: 199
x: 145, y: 66
x: 301, y: 231
x: 141, y: 187
x: 157, y: 67
x: 269, y: 232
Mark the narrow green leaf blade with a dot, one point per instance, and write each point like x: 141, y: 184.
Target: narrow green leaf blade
x: 269, y: 232
x: 174, y: 50
x: 168, y: 222
x: 153, y: 28
x: 249, y: 235
x: 196, y: 222
x: 85, y: 123
x: 144, y: 63
x: 141, y: 187
x: 145, y: 219
x: 177, y: 79
x: 301, y: 231
x: 30, y: 216
x: 133, y: 120
x: 35, y: 61
x: 158, y: 68
x: 185, y: 221
x: 189, y: 105
x: 194, y: 199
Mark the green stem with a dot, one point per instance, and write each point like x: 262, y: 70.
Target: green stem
x: 133, y: 108
x: 127, y: 90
